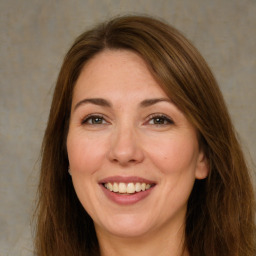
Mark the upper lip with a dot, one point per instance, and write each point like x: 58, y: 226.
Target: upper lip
x: 126, y: 179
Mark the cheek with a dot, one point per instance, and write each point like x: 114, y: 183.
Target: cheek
x: 176, y: 160
x: 174, y: 156
x: 85, y: 154
x: 85, y: 158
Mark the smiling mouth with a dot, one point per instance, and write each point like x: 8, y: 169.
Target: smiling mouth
x: 127, y: 188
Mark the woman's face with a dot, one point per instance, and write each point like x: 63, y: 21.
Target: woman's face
x: 133, y: 155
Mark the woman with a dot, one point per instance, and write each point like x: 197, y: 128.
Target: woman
x: 139, y: 154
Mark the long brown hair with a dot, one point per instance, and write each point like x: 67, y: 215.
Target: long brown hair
x: 221, y: 208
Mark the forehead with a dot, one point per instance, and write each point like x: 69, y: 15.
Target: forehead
x: 117, y: 72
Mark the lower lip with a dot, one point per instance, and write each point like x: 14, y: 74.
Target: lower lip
x: 126, y: 199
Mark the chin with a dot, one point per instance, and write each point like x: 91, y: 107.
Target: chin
x: 126, y: 226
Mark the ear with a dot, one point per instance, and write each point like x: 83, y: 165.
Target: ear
x: 202, y: 169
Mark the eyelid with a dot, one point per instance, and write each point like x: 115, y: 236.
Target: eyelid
x: 93, y: 115
x: 160, y: 115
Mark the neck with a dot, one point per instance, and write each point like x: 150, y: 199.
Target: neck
x: 163, y: 244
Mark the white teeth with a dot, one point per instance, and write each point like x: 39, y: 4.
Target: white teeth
x: 127, y: 188
x: 137, y: 187
x: 109, y: 186
x: 115, y: 187
x: 122, y: 188
x: 130, y: 188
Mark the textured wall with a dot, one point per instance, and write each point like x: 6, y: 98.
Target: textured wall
x: 35, y: 34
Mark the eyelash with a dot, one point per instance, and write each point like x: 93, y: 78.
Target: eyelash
x: 93, y: 117
x: 164, y: 120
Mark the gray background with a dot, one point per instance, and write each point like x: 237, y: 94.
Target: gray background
x: 35, y: 35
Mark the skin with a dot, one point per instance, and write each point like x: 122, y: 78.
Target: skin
x: 154, y: 141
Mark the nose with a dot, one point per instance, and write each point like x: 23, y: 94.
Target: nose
x: 125, y: 148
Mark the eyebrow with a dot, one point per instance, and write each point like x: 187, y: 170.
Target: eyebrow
x: 150, y: 102
x: 105, y: 103
x: 95, y: 101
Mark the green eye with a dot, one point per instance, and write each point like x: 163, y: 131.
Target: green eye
x: 94, y: 120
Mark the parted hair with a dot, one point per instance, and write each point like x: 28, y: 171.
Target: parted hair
x: 221, y: 208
